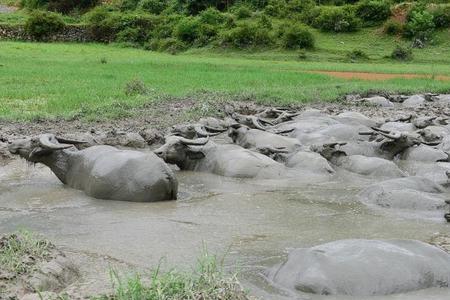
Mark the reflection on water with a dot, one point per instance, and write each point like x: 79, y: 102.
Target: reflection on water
x: 255, y: 222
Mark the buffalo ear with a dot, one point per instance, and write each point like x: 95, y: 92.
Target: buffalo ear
x: 194, y: 153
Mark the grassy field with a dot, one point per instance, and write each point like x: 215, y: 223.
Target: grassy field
x: 66, y: 80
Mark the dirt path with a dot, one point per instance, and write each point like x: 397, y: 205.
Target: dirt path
x: 379, y: 76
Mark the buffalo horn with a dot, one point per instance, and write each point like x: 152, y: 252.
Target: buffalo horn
x: 44, y: 141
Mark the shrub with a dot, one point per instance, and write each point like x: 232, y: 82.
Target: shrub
x: 300, y: 6
x: 337, y: 19
x: 393, y: 27
x: 420, y: 26
x: 276, y: 8
x: 170, y: 45
x: 188, y: 30
x: 373, y: 11
x: 128, y: 35
x: 41, y: 24
x: 212, y: 16
x: 401, y: 53
x: 67, y: 6
x: 153, y: 6
x: 441, y: 17
x: 297, y: 36
x: 357, y: 54
x: 247, y: 35
x: 264, y: 21
x: 136, y: 87
x: 103, y: 23
x: 33, y: 4
x: 242, y: 12
x: 63, y: 6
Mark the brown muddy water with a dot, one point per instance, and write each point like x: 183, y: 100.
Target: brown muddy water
x: 255, y: 222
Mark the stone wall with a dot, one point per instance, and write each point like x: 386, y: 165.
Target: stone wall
x: 70, y: 33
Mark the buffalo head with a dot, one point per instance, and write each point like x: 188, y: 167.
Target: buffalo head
x: 178, y: 150
x: 35, y: 148
x: 191, y: 131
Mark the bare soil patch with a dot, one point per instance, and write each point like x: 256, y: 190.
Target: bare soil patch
x: 379, y: 76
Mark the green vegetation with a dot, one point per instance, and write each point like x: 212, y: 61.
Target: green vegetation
x: 20, y: 251
x: 178, y: 25
x: 41, y: 24
x: 75, y: 80
x: 208, y: 281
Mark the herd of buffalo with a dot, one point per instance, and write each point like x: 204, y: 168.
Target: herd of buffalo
x: 407, y: 153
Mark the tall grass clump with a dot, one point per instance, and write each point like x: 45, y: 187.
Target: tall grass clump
x: 207, y: 282
x: 20, y: 251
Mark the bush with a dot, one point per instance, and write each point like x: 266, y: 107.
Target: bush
x: 300, y: 6
x: 247, y: 35
x: 188, y: 30
x: 128, y: 35
x: 33, y: 4
x: 103, y: 23
x: 420, y: 26
x: 242, y: 12
x: 297, y: 36
x: 401, y: 53
x: 265, y: 22
x: 337, y: 19
x: 212, y: 16
x: 393, y: 27
x: 67, y: 6
x: 373, y: 11
x: 276, y: 8
x: 153, y: 6
x: 41, y: 24
x: 62, y: 6
x: 357, y: 55
x: 441, y: 17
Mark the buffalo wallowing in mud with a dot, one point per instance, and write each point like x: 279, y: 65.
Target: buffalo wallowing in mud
x: 403, y: 158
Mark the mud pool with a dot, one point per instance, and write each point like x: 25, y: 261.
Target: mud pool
x: 255, y: 222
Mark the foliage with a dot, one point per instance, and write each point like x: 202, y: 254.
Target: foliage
x: 441, y: 16
x: 297, y: 36
x: 153, y: 6
x: 41, y: 24
x: 33, y: 4
x: 107, y: 24
x: 337, y: 19
x: 246, y: 35
x: 62, y: 6
x: 393, y: 27
x: 242, y: 11
x: 373, y: 11
x: 357, y: 55
x: 136, y: 87
x: 103, y: 23
x: 420, y: 26
x: 401, y: 53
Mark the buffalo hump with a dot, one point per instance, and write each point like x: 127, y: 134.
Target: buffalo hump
x: 364, y: 268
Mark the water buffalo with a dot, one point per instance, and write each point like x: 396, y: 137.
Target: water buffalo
x: 360, y: 164
x: 413, y: 193
x: 363, y: 268
x: 222, y: 159
x: 256, y: 139
x: 102, y: 171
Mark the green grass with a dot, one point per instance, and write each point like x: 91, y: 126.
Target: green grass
x: 67, y: 80
x: 208, y: 282
x: 20, y: 251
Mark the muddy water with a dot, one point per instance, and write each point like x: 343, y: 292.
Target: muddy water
x: 255, y: 222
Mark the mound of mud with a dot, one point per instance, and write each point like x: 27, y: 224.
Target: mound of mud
x: 31, y: 265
